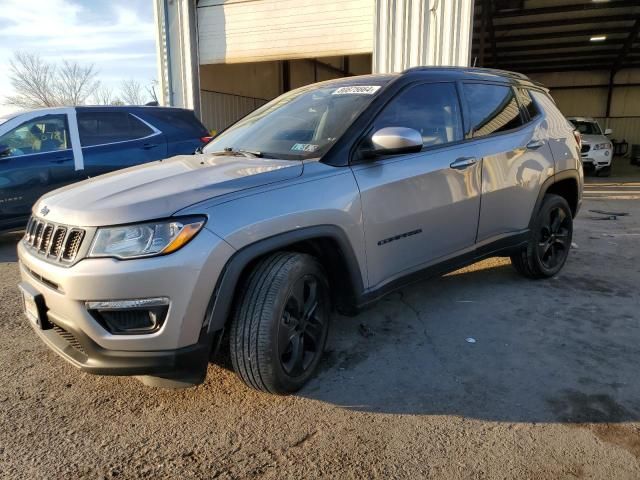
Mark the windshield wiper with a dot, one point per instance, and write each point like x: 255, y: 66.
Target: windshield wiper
x: 239, y: 150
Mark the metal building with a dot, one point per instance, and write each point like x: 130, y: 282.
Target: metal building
x: 224, y: 58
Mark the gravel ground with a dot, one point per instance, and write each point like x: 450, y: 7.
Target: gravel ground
x: 549, y: 389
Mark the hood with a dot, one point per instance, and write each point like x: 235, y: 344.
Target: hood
x: 159, y: 189
x: 591, y: 139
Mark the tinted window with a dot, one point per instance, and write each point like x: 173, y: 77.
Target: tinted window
x: 180, y: 119
x: 97, y: 128
x: 48, y: 133
x: 527, y: 103
x: 492, y: 108
x: 432, y: 109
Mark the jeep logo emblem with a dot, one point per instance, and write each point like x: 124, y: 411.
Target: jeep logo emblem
x: 44, y: 211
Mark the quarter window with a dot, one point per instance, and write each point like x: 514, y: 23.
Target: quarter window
x: 48, y: 133
x: 431, y: 108
x: 98, y: 128
x: 492, y: 108
x: 527, y: 103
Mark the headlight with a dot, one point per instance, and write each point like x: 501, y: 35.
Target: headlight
x: 602, y: 146
x: 145, y: 239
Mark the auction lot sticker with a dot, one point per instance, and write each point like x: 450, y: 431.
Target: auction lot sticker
x: 357, y: 90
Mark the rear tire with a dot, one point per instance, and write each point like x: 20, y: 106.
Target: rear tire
x: 280, y: 324
x: 550, y: 241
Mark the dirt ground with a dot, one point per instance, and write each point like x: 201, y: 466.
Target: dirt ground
x: 548, y: 390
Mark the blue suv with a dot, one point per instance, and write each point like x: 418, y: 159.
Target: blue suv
x: 44, y: 149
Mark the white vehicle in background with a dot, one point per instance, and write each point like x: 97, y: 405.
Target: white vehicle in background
x: 597, y: 149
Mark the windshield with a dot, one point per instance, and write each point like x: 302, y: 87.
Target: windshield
x: 586, y: 128
x: 300, y: 124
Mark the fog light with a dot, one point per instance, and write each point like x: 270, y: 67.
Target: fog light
x: 144, y: 315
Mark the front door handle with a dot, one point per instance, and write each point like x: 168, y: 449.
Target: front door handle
x: 464, y: 162
x: 149, y: 146
x: 534, y: 144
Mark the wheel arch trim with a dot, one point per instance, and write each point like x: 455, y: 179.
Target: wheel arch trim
x: 224, y: 293
x: 549, y: 182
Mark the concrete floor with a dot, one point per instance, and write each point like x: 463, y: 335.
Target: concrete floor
x: 548, y: 390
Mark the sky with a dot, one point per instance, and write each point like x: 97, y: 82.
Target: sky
x: 117, y: 36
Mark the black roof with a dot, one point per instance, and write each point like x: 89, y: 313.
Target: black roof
x: 127, y: 108
x: 438, y: 73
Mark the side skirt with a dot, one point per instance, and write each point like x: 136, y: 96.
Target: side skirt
x: 502, y: 247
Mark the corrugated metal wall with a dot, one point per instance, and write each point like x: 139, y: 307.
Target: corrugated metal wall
x: 232, y: 31
x: 411, y: 33
x: 219, y: 110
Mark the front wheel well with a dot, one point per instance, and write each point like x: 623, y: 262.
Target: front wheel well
x: 342, y: 284
x: 567, y: 189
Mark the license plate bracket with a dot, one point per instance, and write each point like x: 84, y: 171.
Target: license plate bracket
x: 34, y: 307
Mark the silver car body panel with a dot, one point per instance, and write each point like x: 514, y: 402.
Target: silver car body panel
x: 512, y: 174
x: 187, y: 277
x: 408, y: 205
x: 159, y: 189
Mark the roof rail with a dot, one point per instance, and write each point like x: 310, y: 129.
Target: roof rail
x: 504, y: 73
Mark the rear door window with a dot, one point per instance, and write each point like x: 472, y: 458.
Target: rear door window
x: 492, y: 108
x: 99, y: 128
x: 431, y: 108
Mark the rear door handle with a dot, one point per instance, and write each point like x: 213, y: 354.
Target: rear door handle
x: 534, y: 144
x: 464, y: 162
x: 149, y: 146
x: 62, y: 160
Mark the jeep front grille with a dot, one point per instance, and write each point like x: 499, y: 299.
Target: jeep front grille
x: 54, y: 242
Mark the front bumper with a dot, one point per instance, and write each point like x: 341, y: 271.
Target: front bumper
x: 187, y: 277
x: 595, y: 160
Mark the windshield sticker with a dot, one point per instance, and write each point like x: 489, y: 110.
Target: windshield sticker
x: 357, y: 90
x: 305, y: 147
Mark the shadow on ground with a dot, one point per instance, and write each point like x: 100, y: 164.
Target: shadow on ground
x: 563, y: 349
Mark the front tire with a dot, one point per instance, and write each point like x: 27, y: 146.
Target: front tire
x: 280, y: 323
x: 550, y: 242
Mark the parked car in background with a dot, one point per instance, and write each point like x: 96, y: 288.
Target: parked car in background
x: 44, y: 149
x: 329, y: 196
x: 597, y: 149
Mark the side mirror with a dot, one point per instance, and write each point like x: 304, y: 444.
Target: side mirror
x: 608, y: 131
x: 5, y: 151
x: 395, y: 140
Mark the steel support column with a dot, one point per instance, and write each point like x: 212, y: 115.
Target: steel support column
x: 177, y: 44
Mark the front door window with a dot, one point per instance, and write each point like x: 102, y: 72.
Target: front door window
x: 48, y: 133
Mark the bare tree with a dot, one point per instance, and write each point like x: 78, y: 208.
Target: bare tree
x: 75, y: 83
x: 151, y: 91
x: 38, y: 83
x: 32, y: 80
x: 132, y: 93
x: 103, y: 95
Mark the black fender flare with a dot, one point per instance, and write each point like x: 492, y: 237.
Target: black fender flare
x: 558, y: 177
x: 223, y: 296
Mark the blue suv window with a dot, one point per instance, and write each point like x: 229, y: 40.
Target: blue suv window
x: 44, y: 134
x: 99, y: 128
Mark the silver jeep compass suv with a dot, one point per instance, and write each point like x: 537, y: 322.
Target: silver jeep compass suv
x: 326, y: 198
